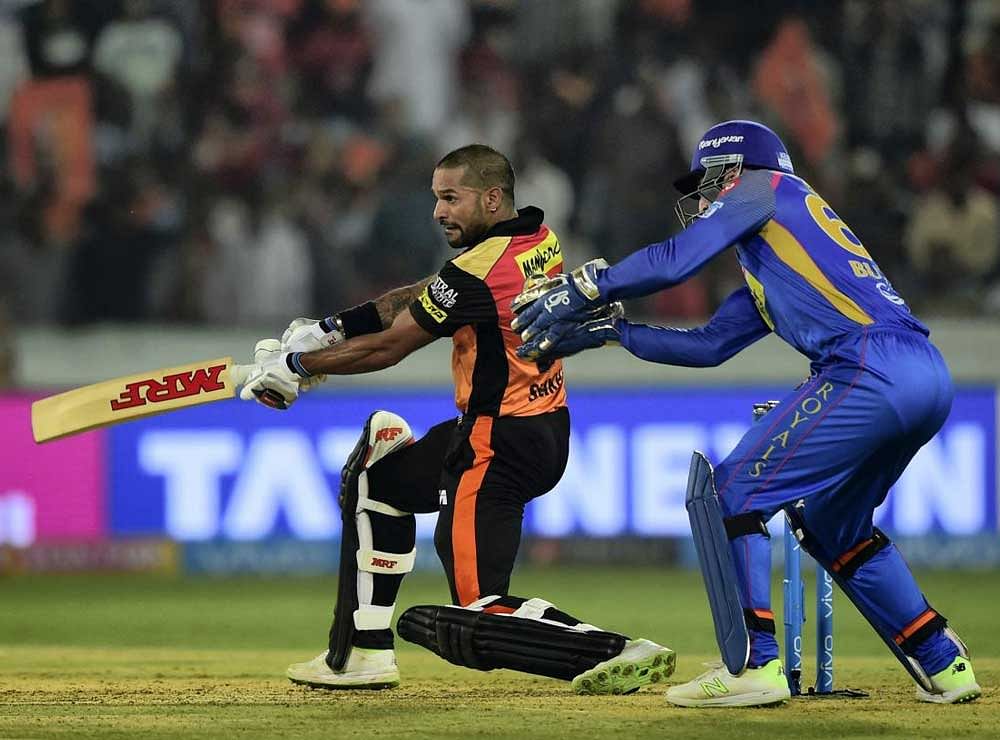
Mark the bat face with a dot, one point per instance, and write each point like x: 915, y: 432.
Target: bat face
x: 170, y: 386
x: 133, y: 396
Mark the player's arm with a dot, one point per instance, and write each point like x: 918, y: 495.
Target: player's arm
x: 277, y: 375
x: 305, y: 335
x: 741, y: 211
x: 367, y: 353
x: 393, y: 303
x: 736, y: 325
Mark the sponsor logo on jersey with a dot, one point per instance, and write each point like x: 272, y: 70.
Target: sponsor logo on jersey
x: 178, y: 385
x: 431, y: 308
x: 546, y: 388
x: 443, y: 294
x: 540, y: 260
x: 719, y: 141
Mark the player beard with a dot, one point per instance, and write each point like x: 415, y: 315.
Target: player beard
x: 464, y: 237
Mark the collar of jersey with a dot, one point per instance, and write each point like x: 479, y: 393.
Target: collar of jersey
x: 527, y: 221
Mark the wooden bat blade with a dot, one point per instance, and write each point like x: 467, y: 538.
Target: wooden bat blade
x: 133, y: 396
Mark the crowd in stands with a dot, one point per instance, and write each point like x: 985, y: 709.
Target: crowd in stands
x: 242, y: 162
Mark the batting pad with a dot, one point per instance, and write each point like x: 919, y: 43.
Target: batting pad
x: 483, y: 641
x: 717, y: 567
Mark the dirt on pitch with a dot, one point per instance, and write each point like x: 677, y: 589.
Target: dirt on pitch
x: 113, y: 658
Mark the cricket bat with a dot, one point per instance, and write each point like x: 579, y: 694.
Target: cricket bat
x: 135, y: 396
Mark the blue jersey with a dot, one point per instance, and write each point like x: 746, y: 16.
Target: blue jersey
x: 809, y: 278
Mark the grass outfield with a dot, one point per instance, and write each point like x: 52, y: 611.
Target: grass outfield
x: 140, y: 656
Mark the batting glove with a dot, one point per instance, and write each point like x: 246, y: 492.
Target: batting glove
x: 272, y: 380
x: 308, y: 335
x: 566, y: 338
x: 561, y: 298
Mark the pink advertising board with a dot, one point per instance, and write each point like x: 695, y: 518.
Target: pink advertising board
x: 49, y: 492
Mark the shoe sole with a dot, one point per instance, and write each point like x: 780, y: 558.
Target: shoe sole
x: 753, y: 699
x: 375, y: 684
x: 625, y: 676
x: 962, y: 696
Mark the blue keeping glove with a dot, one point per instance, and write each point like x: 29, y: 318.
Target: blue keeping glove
x: 565, y: 338
x: 561, y: 298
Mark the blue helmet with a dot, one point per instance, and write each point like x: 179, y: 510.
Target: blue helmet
x: 726, y: 148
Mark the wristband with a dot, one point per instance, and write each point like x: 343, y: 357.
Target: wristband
x: 363, y: 319
x: 331, y: 324
x: 292, y: 359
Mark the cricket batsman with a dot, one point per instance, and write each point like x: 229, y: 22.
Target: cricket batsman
x: 828, y: 454
x: 509, y: 445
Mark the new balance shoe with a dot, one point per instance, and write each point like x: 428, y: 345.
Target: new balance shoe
x: 641, y: 663
x: 717, y: 687
x: 365, y: 669
x: 956, y: 684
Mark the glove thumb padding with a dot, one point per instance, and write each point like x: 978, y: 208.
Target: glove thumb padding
x: 238, y: 374
x: 265, y: 350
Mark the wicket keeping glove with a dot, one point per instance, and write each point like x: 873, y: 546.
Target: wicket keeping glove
x: 308, y: 335
x: 561, y: 298
x: 565, y: 338
x: 272, y: 381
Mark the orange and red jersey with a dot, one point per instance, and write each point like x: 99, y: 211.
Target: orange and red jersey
x: 469, y: 300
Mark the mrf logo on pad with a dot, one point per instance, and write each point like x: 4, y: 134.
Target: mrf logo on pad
x: 387, y: 434
x: 175, y: 385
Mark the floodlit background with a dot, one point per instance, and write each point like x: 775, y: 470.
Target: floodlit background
x: 180, y: 178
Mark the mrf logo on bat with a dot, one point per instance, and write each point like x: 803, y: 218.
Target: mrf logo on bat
x: 176, y: 385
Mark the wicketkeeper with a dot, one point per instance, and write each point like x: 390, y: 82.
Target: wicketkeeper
x: 878, y: 391
x: 508, y: 446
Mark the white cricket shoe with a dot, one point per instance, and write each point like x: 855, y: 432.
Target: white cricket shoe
x: 365, y: 669
x: 639, y: 664
x: 717, y: 687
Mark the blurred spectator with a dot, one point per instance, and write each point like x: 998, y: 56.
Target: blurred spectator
x: 58, y: 35
x: 254, y: 266
x: 50, y: 135
x: 953, y: 238
x: 791, y: 81
x: 983, y: 79
x: 332, y: 52
x: 7, y: 350
x: 888, y: 85
x: 416, y: 47
x: 406, y: 244
x: 127, y: 227
x: 541, y: 183
x: 141, y: 52
x: 212, y: 142
x: 33, y: 272
x: 13, y: 61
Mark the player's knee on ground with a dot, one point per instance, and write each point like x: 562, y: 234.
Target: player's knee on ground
x: 477, y: 638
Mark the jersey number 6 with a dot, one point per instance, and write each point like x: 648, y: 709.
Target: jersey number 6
x: 836, y: 229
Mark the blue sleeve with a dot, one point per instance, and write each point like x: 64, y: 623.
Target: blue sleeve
x: 736, y: 325
x: 741, y: 211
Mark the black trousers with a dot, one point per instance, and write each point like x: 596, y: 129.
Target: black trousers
x: 478, y: 472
